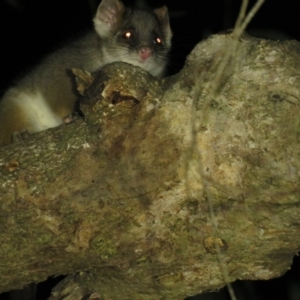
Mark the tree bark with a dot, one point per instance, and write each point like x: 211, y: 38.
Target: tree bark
x: 167, y: 188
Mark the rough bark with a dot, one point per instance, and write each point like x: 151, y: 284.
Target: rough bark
x: 167, y: 188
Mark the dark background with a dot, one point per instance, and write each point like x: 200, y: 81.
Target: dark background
x: 32, y: 28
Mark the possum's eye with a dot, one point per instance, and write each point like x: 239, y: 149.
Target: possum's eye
x: 127, y: 35
x: 157, y: 40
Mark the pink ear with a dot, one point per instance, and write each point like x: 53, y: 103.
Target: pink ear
x: 110, y: 12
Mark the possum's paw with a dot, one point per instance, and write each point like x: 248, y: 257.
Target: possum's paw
x: 71, y: 117
x: 18, y: 136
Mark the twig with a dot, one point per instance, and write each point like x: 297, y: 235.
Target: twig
x: 242, y: 22
x: 240, y: 28
x: 242, y: 14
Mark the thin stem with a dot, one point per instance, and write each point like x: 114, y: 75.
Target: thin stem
x: 251, y: 14
x: 242, y: 14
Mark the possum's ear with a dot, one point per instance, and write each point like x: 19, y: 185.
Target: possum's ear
x: 108, y: 17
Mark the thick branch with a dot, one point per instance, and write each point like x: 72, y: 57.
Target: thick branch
x: 128, y: 191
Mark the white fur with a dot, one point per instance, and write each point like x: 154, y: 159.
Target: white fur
x: 37, y: 110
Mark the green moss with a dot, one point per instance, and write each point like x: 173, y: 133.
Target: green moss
x: 104, y: 247
x: 44, y: 239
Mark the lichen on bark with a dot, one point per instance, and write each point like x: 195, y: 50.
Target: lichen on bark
x: 128, y: 194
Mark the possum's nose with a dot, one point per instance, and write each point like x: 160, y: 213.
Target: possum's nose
x: 145, y: 53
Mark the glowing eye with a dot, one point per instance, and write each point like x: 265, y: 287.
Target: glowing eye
x: 127, y: 35
x: 158, y: 41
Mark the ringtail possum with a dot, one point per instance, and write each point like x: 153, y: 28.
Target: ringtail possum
x: 46, y: 96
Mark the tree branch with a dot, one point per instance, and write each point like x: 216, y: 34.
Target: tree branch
x: 121, y: 194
